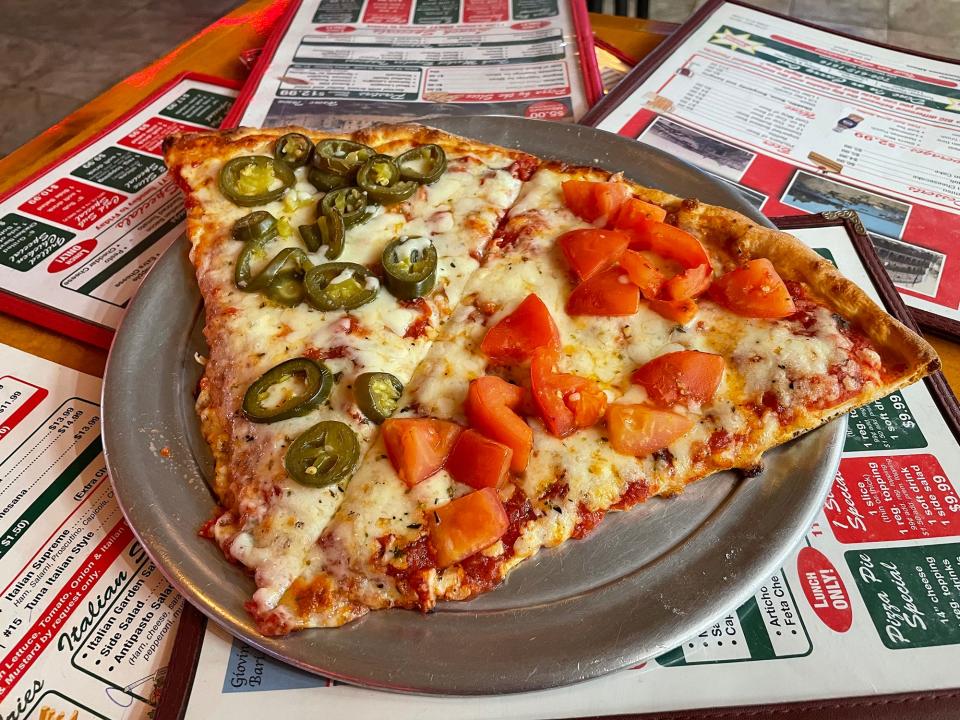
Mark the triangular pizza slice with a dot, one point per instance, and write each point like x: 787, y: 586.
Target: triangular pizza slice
x: 326, y: 265
x: 617, y: 344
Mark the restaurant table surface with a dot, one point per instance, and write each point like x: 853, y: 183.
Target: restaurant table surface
x: 216, y: 51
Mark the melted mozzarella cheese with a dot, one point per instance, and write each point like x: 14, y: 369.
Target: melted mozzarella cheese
x: 271, y: 521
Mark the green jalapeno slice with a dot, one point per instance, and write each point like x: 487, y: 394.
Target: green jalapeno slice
x: 255, y: 226
x: 323, y: 455
x: 340, y: 286
x: 326, y: 235
x: 340, y: 157
x: 409, y: 267
x: 424, y: 164
x: 293, y: 149
x: 254, y: 180
x: 379, y: 177
x: 350, y: 202
x: 291, y: 261
x: 377, y: 394
x: 315, y: 380
x: 327, y: 181
x: 286, y: 288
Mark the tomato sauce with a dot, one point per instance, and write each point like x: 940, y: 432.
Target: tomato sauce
x: 587, y: 520
x: 524, y: 167
x: 636, y: 492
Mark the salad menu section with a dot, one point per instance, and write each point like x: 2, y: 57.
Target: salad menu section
x: 87, y: 622
x: 870, y: 599
x: 77, y: 239
x: 804, y: 121
x: 342, y: 64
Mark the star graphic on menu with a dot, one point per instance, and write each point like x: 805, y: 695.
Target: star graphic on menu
x: 953, y: 104
x: 736, y: 42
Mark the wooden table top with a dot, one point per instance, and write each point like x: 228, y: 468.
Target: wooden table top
x: 216, y: 51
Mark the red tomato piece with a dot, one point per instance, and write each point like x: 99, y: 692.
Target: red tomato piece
x: 608, y: 293
x: 418, y: 447
x: 754, y: 290
x: 516, y: 336
x: 640, y: 430
x: 565, y: 402
x: 680, y: 311
x: 634, y: 213
x: 490, y: 406
x: 594, y: 200
x: 680, y: 377
x: 670, y: 242
x: 688, y: 284
x: 642, y: 273
x: 478, y: 461
x: 466, y: 525
x: 588, y: 251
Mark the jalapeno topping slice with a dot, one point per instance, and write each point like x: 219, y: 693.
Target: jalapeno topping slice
x: 377, y: 394
x: 286, y: 288
x: 254, y: 180
x: 379, y: 177
x: 409, y: 267
x: 341, y: 157
x: 423, y: 164
x: 292, y: 262
x: 340, y: 286
x: 350, y: 202
x: 323, y: 455
x: 293, y: 149
x: 255, y: 226
x: 327, y: 181
x: 313, y: 384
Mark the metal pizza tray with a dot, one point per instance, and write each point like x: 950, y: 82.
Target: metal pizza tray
x: 642, y: 583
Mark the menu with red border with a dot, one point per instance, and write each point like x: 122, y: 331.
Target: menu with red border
x: 339, y: 65
x: 802, y: 120
x: 87, y: 622
x: 77, y: 239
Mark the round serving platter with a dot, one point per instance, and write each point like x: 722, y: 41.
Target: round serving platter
x: 642, y: 583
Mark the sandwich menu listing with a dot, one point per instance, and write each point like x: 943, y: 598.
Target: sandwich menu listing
x: 77, y: 240
x: 343, y: 64
x: 869, y: 600
x: 87, y: 621
x: 803, y: 121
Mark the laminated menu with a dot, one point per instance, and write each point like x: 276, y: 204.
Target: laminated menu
x: 342, y: 64
x: 805, y: 120
x: 77, y: 238
x: 868, y: 602
x: 87, y: 622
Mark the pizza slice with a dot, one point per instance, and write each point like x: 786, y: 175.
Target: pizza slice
x: 326, y: 265
x: 617, y: 344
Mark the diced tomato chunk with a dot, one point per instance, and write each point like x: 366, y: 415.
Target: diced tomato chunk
x: 588, y: 250
x: 565, y: 402
x: 594, y: 200
x: 670, y: 242
x: 478, y: 461
x: 642, y: 273
x: 680, y: 311
x: 680, y: 377
x: 608, y: 293
x: 640, y: 430
x: 466, y: 525
x: 688, y: 284
x: 490, y: 406
x: 516, y: 336
x: 754, y: 290
x: 418, y: 447
x: 634, y: 213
